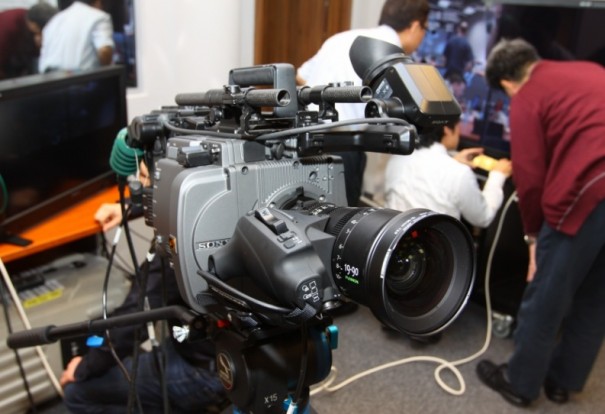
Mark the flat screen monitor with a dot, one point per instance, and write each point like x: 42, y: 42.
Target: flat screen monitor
x: 56, y: 138
x: 558, y: 29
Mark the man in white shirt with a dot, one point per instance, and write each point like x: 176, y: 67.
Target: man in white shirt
x: 77, y: 38
x: 402, y: 23
x: 431, y: 178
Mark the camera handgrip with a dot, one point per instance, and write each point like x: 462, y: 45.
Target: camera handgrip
x: 277, y: 75
x: 260, y: 75
x: 31, y: 337
x: 51, y: 333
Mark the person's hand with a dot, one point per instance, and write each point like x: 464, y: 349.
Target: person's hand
x: 109, y: 215
x: 69, y: 373
x: 505, y: 166
x: 531, y: 269
x: 466, y: 155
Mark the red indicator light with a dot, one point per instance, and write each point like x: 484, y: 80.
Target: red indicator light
x: 221, y: 323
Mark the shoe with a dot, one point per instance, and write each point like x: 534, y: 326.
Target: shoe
x: 493, y: 376
x: 422, y: 341
x: 555, y: 393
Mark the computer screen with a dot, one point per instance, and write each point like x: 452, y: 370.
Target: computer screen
x: 56, y: 135
x: 559, y: 29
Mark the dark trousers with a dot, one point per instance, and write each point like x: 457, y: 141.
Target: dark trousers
x: 561, y: 320
x: 191, y: 389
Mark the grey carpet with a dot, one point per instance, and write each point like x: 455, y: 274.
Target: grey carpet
x: 412, y: 389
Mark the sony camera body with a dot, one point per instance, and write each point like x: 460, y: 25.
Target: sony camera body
x: 226, y: 159
x: 196, y: 208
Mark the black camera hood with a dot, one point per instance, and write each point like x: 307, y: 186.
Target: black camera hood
x: 370, y: 57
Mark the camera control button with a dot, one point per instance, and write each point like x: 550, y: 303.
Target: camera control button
x: 285, y: 236
x: 276, y: 225
x: 290, y: 243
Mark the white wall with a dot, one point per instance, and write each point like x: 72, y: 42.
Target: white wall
x: 187, y: 46
x: 190, y: 45
x: 365, y: 13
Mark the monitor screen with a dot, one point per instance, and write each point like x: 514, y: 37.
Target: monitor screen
x: 462, y: 32
x: 57, y: 133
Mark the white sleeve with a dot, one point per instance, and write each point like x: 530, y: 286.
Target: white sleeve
x: 102, y: 33
x: 480, y: 207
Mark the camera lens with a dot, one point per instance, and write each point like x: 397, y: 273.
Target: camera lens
x: 414, y: 269
x: 406, y: 268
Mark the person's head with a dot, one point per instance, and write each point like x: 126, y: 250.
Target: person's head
x: 98, y: 4
x: 409, y: 18
x: 509, y: 64
x: 457, y: 83
x: 462, y: 28
x: 448, y: 135
x: 37, y: 16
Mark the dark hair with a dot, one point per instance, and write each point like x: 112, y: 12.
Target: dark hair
x: 41, y: 13
x: 436, y: 135
x: 399, y: 14
x: 509, y: 60
x: 454, y: 76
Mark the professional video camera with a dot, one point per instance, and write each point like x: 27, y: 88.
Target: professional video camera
x: 249, y: 207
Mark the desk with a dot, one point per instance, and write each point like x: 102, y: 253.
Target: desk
x: 74, y: 223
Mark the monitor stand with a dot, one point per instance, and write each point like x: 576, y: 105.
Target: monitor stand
x: 8, y: 238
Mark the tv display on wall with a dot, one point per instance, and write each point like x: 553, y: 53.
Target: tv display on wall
x: 559, y: 29
x: 56, y: 138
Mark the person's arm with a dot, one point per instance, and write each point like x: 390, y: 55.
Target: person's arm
x: 529, y: 163
x: 466, y: 155
x: 532, y: 267
x: 69, y: 374
x: 102, y: 38
x: 105, y: 55
x: 479, y: 207
x: 109, y: 215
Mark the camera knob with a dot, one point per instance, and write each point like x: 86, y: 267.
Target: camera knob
x: 276, y: 225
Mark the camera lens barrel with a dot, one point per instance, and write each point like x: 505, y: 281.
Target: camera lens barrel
x: 413, y: 269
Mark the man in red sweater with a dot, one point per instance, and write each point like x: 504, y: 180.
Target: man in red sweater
x: 20, y: 37
x: 557, y: 123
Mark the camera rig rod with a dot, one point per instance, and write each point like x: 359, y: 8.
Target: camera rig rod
x: 334, y: 94
x: 233, y: 95
x: 51, y: 333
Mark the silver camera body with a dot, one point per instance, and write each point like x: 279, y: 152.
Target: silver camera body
x: 196, y: 208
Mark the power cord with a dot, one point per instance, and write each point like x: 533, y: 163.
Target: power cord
x: 443, y: 364
x: 112, y: 350
x: 17, y: 302
x: 9, y: 328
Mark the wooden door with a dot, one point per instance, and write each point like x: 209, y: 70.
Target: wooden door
x: 291, y: 31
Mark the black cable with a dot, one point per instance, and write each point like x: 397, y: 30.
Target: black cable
x: 112, y: 350
x: 137, y: 337
x: 249, y: 300
x: 121, y: 187
x: 164, y: 361
x: 104, y: 309
x: 320, y: 127
x: 122, y: 263
x: 104, y: 245
x: 304, y: 330
x: 172, y: 128
x: 9, y: 327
